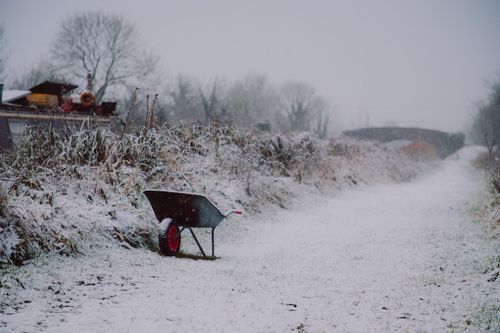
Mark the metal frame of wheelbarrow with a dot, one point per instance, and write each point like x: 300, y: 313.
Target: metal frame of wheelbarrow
x: 187, y: 211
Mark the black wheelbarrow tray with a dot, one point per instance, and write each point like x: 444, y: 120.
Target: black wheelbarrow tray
x: 178, y: 211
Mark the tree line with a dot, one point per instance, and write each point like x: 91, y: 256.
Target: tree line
x: 104, y: 53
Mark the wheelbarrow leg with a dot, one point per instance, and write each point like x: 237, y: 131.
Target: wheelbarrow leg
x: 198, y: 243
x: 213, y: 243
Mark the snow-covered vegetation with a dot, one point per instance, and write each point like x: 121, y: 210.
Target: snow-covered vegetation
x: 485, y: 130
x: 67, y: 191
x: 490, y: 212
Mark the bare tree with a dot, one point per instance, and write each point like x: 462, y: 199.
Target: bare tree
x: 104, y: 45
x: 209, y: 102
x: 486, y: 126
x: 322, y: 123
x: 302, y: 105
x: 252, y: 100
x: 183, y: 100
x: 213, y: 101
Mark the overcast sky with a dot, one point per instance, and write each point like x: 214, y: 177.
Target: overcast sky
x: 416, y: 63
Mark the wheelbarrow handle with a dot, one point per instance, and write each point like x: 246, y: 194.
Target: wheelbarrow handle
x: 233, y: 211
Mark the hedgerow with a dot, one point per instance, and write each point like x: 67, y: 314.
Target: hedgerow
x: 64, y: 191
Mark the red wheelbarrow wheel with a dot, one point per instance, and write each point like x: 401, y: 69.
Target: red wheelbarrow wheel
x: 170, y: 240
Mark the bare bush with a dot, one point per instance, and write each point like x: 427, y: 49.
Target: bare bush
x: 304, y: 108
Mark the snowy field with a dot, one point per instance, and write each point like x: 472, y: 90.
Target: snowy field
x: 404, y: 257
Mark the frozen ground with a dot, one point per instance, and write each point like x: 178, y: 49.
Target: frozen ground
x: 405, y: 257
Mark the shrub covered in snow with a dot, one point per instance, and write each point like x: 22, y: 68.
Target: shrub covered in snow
x: 490, y: 213
x: 66, y: 191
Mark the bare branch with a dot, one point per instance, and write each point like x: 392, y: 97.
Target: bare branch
x: 105, y: 45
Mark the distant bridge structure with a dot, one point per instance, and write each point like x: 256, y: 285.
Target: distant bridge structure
x: 444, y: 143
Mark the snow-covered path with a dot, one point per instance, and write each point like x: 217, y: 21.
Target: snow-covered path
x: 404, y: 257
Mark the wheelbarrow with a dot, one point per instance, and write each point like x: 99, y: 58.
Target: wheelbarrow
x: 178, y: 211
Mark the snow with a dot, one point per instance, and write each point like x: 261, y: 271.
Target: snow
x: 10, y: 95
x: 397, y: 144
x: 381, y: 258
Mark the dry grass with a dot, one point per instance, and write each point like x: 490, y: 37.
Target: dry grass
x: 481, y: 161
x: 421, y: 150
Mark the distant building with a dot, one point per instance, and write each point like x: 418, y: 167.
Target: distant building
x: 48, y: 103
